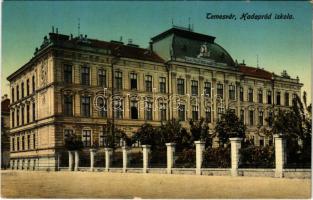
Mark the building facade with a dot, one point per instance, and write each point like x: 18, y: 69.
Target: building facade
x: 76, y: 85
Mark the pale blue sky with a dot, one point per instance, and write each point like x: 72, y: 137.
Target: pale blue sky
x: 280, y: 44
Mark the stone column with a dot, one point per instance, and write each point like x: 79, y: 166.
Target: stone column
x: 107, y: 158
x: 70, y: 161
x: 170, y: 147
x: 279, y: 155
x: 199, y: 155
x: 145, y: 154
x: 235, y: 156
x: 125, y: 159
x: 92, y: 159
x: 76, y: 160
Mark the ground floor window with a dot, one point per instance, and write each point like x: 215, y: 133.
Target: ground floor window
x: 86, y: 138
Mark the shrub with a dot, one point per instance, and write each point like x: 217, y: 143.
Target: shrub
x: 217, y: 157
x: 257, y: 157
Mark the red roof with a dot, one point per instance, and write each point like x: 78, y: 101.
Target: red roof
x: 255, y: 72
x: 126, y: 51
x: 5, y: 105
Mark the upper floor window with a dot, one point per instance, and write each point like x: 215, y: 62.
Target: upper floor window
x: 118, y: 80
x: 181, y: 112
x: 194, y: 88
x: 133, y: 81
x: 13, y: 117
x: 195, y: 113
x: 28, y: 142
x: 18, y: 116
x: 270, y: 119
x: 68, y: 73
x: 68, y: 105
x: 27, y: 87
x: 85, y: 106
x: 162, y: 81
x: 278, y: 98
x: 134, y: 109
x: 118, y: 108
x: 232, y: 92
x: 17, y: 93
x: 148, y: 81
x: 13, y: 144
x: 86, y: 138
x: 261, y: 118
x: 208, y: 114
x: 242, y: 115
x: 269, y: 97
x: 181, y: 86
x: 34, y: 111
x: 22, y: 88
x: 241, y: 93
x: 17, y: 143
x: 34, y: 141
x: 85, y: 77
x: 220, y: 112
x: 102, y: 78
x: 162, y: 111
x: 251, y: 117
x: 34, y: 84
x: 286, y: 99
x: 23, y: 143
x: 260, y: 96
x: 27, y: 113
x: 207, y: 89
x: 12, y: 94
x: 148, y: 110
x: 102, y: 106
x: 294, y: 96
x: 250, y: 95
x: 220, y: 90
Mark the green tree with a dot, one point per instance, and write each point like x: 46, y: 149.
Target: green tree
x: 73, y: 143
x: 200, y: 131
x: 229, y: 126
x: 113, y: 135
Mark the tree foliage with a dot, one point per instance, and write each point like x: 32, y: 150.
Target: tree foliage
x: 200, y: 131
x: 229, y: 126
x: 73, y: 142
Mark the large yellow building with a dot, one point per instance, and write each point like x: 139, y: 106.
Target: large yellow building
x: 67, y: 88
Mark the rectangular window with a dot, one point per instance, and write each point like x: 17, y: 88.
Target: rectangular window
x: 269, y: 97
x: 220, y: 90
x: 27, y: 87
x: 270, y: 119
x: 34, y: 112
x: 208, y: 115
x: 195, y: 113
x: 13, y: 144
x: 181, y: 86
x: 241, y: 93
x: 85, y: 106
x: 67, y: 134
x: 27, y: 113
x: 22, y: 88
x: 18, y: 143
x: 102, y: 106
x: 86, y: 138
x: 148, y: 82
x: 34, y: 84
x: 68, y: 105
x: 12, y: 92
x: 148, y: 110
x: 28, y: 142
x: 181, y: 112
x: 118, y: 80
x: 85, y: 78
x: 134, y: 109
x: 260, y: 96
x: 250, y: 95
x: 102, y: 79
x: 220, y: 112
x: 232, y: 92
x: 163, y: 111
x: 17, y: 93
x: 207, y: 89
x: 102, y: 139
x: 68, y: 73
x: 251, y: 117
x: 133, y: 81
x: 118, y: 109
x: 13, y: 117
x: 294, y: 96
x: 23, y: 115
x: 262, y: 142
x: 162, y: 84
x: 261, y: 118
x: 242, y: 115
x: 34, y: 141
x: 286, y: 99
x: 18, y: 116
x: 194, y: 88
x: 23, y: 143
x: 278, y: 98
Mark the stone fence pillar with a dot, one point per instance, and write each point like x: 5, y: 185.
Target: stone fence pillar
x: 107, y: 158
x: 170, y: 151
x: 145, y: 159
x: 199, y: 155
x: 125, y: 159
x: 76, y: 160
x: 279, y: 155
x: 235, y: 156
x: 70, y: 161
x: 92, y: 159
